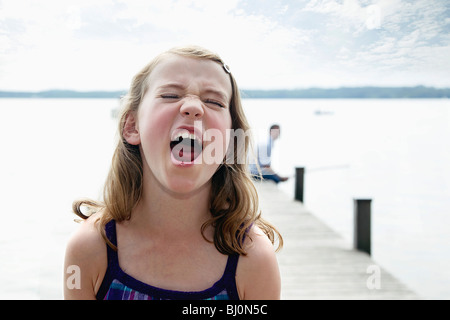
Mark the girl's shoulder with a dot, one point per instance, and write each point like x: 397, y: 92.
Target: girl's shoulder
x: 86, y: 251
x: 258, y: 276
x: 257, y: 244
x: 87, y: 239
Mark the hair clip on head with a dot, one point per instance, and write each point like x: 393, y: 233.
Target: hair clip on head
x: 226, y: 68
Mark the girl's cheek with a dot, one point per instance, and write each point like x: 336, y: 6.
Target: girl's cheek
x: 155, y: 122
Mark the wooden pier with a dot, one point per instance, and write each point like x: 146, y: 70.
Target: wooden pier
x: 316, y: 262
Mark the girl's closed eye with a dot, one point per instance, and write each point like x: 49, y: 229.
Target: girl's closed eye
x: 214, y: 102
x: 170, y: 96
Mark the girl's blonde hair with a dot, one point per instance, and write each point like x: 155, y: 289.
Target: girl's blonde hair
x: 233, y: 199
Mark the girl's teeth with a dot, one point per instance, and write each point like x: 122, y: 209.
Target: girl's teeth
x: 185, y: 135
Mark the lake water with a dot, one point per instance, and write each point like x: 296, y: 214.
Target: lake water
x: 395, y: 152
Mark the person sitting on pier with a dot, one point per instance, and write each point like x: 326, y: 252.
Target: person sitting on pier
x: 264, y: 155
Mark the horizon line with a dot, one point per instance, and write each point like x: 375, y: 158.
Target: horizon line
x: 241, y: 89
x: 365, y: 92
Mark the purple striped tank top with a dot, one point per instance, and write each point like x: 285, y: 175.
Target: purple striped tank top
x: 118, y: 285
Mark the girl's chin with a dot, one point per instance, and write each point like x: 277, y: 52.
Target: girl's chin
x: 182, y: 187
x: 185, y: 179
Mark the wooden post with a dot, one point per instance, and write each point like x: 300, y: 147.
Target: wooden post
x: 299, y: 182
x: 361, y: 235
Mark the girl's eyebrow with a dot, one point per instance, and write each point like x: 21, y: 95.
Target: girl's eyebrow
x: 218, y: 93
x: 179, y: 86
x: 172, y: 86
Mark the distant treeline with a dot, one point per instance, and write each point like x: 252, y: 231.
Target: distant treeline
x: 347, y: 93
x: 312, y: 93
x: 62, y: 94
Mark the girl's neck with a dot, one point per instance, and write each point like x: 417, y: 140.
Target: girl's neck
x: 160, y: 211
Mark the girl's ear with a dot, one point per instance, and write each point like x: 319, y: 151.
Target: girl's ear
x: 131, y: 130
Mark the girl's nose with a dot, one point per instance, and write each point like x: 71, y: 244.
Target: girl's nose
x: 192, y: 108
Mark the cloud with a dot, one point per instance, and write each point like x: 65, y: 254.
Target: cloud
x: 348, y: 14
x: 388, y: 42
x: 101, y: 44
x: 413, y: 40
x: 89, y: 45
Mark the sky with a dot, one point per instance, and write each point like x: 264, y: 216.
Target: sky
x: 91, y: 45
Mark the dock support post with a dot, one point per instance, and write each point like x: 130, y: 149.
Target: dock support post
x: 299, y: 183
x: 361, y: 235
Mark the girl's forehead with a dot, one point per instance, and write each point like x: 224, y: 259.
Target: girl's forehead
x: 175, y: 68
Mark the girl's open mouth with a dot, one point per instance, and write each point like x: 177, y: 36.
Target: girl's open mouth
x: 185, y: 146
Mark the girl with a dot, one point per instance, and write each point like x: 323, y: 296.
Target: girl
x: 176, y: 224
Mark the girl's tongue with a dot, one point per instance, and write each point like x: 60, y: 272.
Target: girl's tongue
x: 185, y: 149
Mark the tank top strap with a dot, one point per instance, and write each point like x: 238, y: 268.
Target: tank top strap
x: 229, y: 277
x: 231, y: 266
x: 111, y: 234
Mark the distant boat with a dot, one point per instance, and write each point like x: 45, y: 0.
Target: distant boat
x: 319, y: 112
x: 115, y: 111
